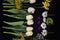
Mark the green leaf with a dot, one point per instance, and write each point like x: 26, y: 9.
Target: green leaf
x: 15, y: 16
x: 10, y: 1
x: 17, y: 34
x: 14, y: 23
x: 16, y: 11
x: 49, y: 21
x: 16, y: 27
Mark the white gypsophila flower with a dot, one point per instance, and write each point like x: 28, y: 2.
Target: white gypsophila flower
x: 44, y: 14
x: 29, y: 17
x: 29, y: 28
x: 32, y: 1
x: 29, y: 33
x: 43, y: 25
x: 44, y: 32
x: 31, y: 10
x: 44, y: 19
x: 30, y: 22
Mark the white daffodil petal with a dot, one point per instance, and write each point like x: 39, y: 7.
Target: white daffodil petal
x: 30, y: 22
x: 43, y: 25
x: 29, y: 33
x: 44, y: 32
x: 29, y: 28
x: 31, y: 10
x: 32, y: 1
x: 44, y: 19
x: 44, y: 14
x: 29, y: 17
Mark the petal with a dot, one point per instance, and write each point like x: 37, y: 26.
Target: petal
x: 43, y: 25
x: 29, y: 17
x: 31, y: 10
x: 30, y: 22
x: 44, y: 14
x: 44, y: 32
x: 29, y: 28
x: 29, y: 33
x: 44, y: 19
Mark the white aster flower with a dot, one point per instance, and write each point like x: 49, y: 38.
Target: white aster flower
x: 43, y: 25
x: 32, y: 1
x: 44, y: 19
x: 31, y: 10
x: 30, y: 22
x: 29, y: 17
x: 29, y: 28
x: 44, y: 14
x: 44, y: 32
x: 29, y: 33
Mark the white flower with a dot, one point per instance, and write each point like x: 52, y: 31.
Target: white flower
x: 31, y: 10
x: 44, y: 19
x: 44, y: 14
x: 29, y: 17
x: 29, y: 33
x: 43, y: 25
x: 30, y: 22
x: 44, y: 32
x: 29, y: 28
x: 32, y: 1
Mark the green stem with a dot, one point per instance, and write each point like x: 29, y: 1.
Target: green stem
x: 8, y: 7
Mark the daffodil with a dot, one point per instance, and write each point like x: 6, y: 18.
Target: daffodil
x: 31, y: 10
x: 29, y: 28
x: 44, y: 32
x: 43, y: 25
x: 46, y: 5
x: 44, y: 14
x: 29, y: 33
x: 30, y: 22
x: 29, y: 17
x: 32, y: 1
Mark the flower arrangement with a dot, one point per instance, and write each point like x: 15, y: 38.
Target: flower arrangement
x: 18, y: 27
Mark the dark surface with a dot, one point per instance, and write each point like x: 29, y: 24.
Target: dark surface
x: 54, y: 9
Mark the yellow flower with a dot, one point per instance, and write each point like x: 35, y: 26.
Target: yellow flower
x: 18, y: 4
x: 48, y: 0
x: 22, y: 38
x: 46, y: 5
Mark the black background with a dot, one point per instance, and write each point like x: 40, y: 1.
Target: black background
x: 53, y: 9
